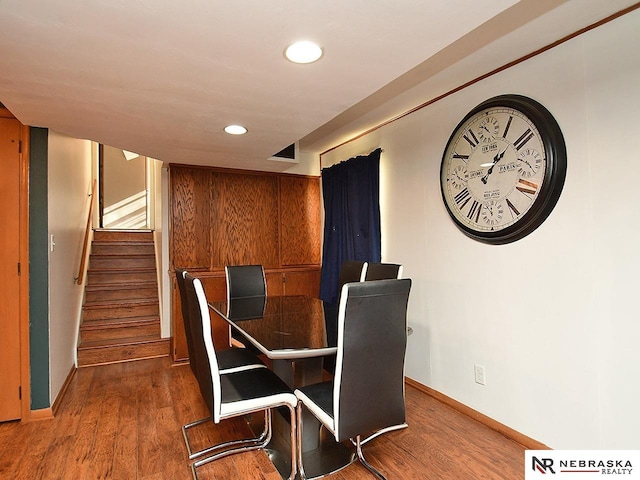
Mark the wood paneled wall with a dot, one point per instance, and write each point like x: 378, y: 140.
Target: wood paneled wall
x: 228, y: 217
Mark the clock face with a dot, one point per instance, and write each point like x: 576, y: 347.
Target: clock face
x: 503, y: 169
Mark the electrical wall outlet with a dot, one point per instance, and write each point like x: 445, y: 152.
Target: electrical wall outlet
x: 479, y: 374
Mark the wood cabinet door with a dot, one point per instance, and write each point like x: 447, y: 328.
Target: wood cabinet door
x: 274, y: 283
x: 300, y: 221
x: 244, y: 220
x: 190, y: 218
x: 10, y: 408
x: 302, y: 283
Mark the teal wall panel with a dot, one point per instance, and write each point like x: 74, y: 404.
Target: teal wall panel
x: 39, y: 269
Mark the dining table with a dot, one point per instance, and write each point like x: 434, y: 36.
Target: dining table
x: 290, y: 331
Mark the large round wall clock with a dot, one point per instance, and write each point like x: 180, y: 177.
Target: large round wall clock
x: 503, y: 169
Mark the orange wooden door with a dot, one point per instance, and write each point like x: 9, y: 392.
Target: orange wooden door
x: 9, y: 278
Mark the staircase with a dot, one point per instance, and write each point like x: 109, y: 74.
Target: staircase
x: 121, y: 311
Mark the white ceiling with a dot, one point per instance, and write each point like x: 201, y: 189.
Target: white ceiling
x: 163, y: 78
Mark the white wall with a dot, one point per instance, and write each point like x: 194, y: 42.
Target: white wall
x: 552, y: 317
x: 69, y: 186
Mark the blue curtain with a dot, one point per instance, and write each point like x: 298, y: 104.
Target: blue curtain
x: 351, y: 191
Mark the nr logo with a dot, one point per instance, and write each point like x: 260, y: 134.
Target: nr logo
x: 542, y: 465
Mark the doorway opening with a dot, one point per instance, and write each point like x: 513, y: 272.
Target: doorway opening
x: 124, y: 200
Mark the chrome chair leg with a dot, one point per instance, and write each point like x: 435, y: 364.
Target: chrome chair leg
x: 265, y: 439
x: 380, y: 432
x: 303, y: 475
x: 366, y: 464
x: 294, y: 446
x: 192, y: 454
x: 258, y: 440
x: 232, y: 451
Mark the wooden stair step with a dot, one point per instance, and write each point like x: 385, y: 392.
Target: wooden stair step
x: 126, y: 296
x: 128, y: 302
x: 129, y: 243
x: 105, y: 330
x: 124, y: 255
x: 116, y: 322
x: 122, y: 235
x: 122, y: 350
x: 98, y: 262
x: 127, y: 286
x: 122, y: 310
x: 118, y: 270
x: 93, y: 332
x: 95, y: 294
x: 118, y: 276
x: 143, y: 340
x: 120, y: 248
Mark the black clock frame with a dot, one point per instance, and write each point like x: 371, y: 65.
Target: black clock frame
x: 554, y: 177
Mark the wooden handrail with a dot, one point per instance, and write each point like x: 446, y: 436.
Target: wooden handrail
x: 87, y: 236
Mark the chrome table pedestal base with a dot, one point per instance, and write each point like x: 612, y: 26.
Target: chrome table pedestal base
x: 326, y: 458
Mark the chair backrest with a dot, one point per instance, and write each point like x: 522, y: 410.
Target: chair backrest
x: 383, y: 271
x: 245, y: 281
x: 368, y: 390
x: 207, y: 371
x: 351, y: 271
x: 180, y: 274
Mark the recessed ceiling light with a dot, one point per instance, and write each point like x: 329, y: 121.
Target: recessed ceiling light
x: 235, y: 129
x: 303, y: 52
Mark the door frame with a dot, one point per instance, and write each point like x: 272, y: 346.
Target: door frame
x: 24, y: 275
x: 25, y: 364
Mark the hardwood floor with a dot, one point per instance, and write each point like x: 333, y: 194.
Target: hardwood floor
x: 123, y: 421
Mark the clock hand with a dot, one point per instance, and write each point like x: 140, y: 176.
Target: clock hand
x: 529, y: 165
x: 496, y: 159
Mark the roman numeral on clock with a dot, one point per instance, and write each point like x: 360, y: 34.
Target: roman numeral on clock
x: 506, y: 128
x: 461, y: 157
x: 524, y: 138
x: 512, y: 207
x: 473, y: 141
x: 462, y: 198
x: 526, y: 187
x: 474, y: 211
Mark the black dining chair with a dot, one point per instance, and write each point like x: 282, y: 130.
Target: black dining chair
x: 244, y: 281
x: 180, y: 274
x: 383, y: 271
x: 367, y: 392
x: 229, y: 361
x: 237, y: 393
x: 350, y: 271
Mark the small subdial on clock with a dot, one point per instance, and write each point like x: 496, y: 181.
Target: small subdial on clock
x: 488, y: 129
x: 529, y: 161
x: 459, y: 177
x: 492, y: 212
